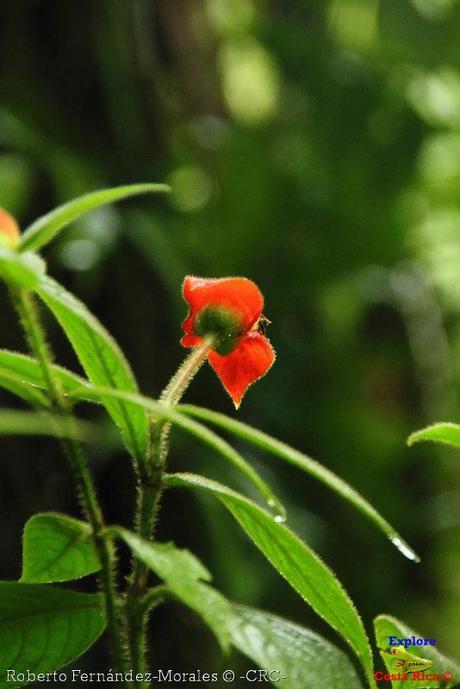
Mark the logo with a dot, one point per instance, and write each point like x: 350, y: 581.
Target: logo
x: 403, y: 666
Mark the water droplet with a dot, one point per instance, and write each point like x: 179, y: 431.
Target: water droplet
x: 278, y: 510
x: 404, y: 548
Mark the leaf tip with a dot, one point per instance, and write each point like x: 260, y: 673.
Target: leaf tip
x: 412, y: 439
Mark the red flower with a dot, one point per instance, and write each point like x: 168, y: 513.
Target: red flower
x: 9, y: 230
x: 230, y: 309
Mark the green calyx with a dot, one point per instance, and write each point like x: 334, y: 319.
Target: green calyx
x: 223, y: 324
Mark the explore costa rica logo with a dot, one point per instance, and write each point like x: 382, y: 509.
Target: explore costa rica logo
x: 404, y: 666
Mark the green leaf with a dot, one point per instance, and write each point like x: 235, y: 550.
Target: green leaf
x: 16, y: 422
x: 16, y: 385
x: 295, y: 561
x: 103, y: 362
x: 305, y: 463
x: 194, y: 428
x: 185, y: 576
x: 44, y: 229
x: 386, y: 626
x: 23, y: 270
x: 296, y: 656
x: 43, y: 628
x: 57, y: 548
x: 445, y: 433
x: 23, y: 375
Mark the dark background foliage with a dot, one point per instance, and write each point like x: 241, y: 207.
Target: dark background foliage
x: 314, y: 147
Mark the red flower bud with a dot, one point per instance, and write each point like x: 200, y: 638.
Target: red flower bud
x: 9, y: 230
x: 230, y: 309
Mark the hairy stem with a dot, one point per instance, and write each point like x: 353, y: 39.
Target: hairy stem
x: 149, y: 495
x: 155, y: 596
x: 173, y: 392
x: 36, y: 339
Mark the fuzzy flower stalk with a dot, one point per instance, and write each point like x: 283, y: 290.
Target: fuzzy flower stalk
x: 226, y: 327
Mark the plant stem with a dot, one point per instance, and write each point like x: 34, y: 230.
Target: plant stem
x: 149, y: 495
x: 186, y: 372
x: 36, y: 339
x: 155, y: 596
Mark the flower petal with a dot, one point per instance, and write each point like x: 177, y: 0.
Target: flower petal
x: 9, y: 230
x: 251, y: 360
x: 237, y: 294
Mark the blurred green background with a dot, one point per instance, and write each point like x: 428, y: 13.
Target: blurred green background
x: 315, y: 147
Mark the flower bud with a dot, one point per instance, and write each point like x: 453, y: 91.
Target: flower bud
x: 9, y: 230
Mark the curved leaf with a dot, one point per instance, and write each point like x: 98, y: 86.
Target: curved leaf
x: 57, y: 548
x: 43, y: 628
x: 22, y: 270
x: 28, y: 370
x: 292, y: 655
x: 44, y: 229
x: 445, y: 433
x: 16, y: 385
x: 184, y: 575
x: 386, y: 626
x: 14, y: 422
x: 295, y: 561
x: 194, y: 428
x: 305, y: 463
x: 103, y: 362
